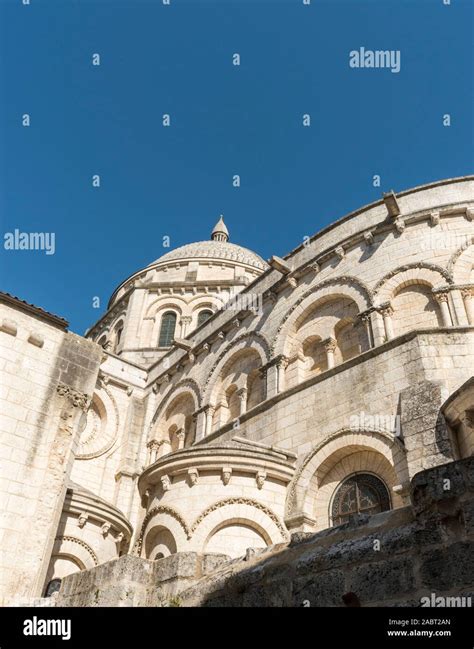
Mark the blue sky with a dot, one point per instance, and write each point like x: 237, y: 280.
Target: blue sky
x: 175, y: 181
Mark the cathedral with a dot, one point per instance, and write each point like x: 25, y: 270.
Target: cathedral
x: 224, y: 405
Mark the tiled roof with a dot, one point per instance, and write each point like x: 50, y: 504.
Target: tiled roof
x: 32, y: 308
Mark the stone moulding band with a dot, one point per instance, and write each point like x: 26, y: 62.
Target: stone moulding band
x: 189, y: 531
x: 83, y: 544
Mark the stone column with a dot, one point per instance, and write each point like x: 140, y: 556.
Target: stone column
x: 330, y: 347
x: 242, y: 394
x: 148, y: 454
x: 263, y: 374
x: 271, y: 380
x: 468, y: 299
x: 442, y: 300
x: 200, y: 416
x: 164, y: 447
x: 387, y: 313
x: 367, y: 322
x: 180, y: 434
x: 281, y: 365
x: 153, y: 447
x: 185, y: 322
x: 209, y: 415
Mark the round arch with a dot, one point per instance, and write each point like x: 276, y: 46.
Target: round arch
x: 234, y: 536
x: 385, y: 500
x: 326, y: 454
x: 418, y: 273
x: 159, y: 542
x: 168, y: 518
x: 251, y: 341
x: 247, y: 510
x: 461, y: 263
x: 76, y: 550
x: 326, y: 291
x: 156, y: 307
x: 187, y: 386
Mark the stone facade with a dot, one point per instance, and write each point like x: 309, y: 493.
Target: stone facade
x: 224, y: 403
x: 394, y: 558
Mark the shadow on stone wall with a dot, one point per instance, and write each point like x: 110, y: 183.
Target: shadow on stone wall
x: 392, y: 558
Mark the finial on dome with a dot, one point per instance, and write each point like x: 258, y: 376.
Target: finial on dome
x: 220, y: 232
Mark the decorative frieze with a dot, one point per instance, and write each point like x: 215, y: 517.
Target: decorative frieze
x: 77, y: 399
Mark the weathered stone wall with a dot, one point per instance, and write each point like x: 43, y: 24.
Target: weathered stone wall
x: 393, y: 558
x: 130, y: 581
x: 48, y: 377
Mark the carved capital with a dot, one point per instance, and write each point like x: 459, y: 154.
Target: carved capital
x: 441, y: 297
x: 154, y: 444
x: 242, y: 394
x: 282, y: 362
x: 386, y: 310
x: 330, y: 344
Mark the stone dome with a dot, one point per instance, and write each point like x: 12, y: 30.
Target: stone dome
x: 213, y: 249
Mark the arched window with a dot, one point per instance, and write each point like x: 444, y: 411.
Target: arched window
x: 361, y: 493
x: 102, y: 341
x: 168, y: 325
x: 118, y: 335
x: 53, y: 586
x: 203, y: 316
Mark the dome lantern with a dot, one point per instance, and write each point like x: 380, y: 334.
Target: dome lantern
x: 220, y: 231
